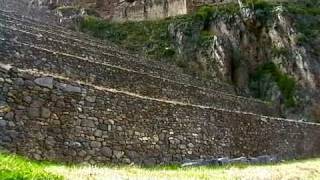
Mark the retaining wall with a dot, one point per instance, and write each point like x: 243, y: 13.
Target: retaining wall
x: 55, y: 119
x: 166, y: 70
x: 25, y: 57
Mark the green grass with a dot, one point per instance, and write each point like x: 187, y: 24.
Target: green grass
x: 148, y: 37
x: 17, y: 168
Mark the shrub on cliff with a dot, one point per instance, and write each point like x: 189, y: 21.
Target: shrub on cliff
x: 286, y: 84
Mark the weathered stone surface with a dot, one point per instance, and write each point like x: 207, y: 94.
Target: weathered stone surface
x: 95, y: 144
x: 149, y: 161
x: 34, y: 112
x: 69, y: 88
x: 45, y: 112
x: 118, y: 154
x: 91, y: 99
x: 3, y: 123
x: 75, y: 144
x: 98, y: 133
x: 106, y: 152
x: 19, y: 82
x: 87, y: 123
x: 50, y: 141
x: 224, y: 161
x: 9, y: 116
x: 82, y: 153
x: 27, y: 99
x: 45, y: 82
x: 190, y: 145
x: 266, y: 159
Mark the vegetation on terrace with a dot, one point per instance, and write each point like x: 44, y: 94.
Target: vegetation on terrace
x: 153, y: 39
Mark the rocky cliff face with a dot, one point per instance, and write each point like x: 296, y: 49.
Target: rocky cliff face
x: 37, y: 9
x: 262, y: 49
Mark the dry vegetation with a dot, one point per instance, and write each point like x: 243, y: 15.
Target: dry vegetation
x: 16, y: 168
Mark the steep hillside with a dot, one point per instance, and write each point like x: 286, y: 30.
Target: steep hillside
x: 267, y: 50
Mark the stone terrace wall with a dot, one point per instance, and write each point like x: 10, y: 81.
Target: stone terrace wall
x: 110, y: 71
x: 23, y: 56
x: 73, y: 39
x: 55, y: 119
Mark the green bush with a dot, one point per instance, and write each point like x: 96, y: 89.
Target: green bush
x: 205, y: 13
x: 303, y: 9
x: 280, y: 51
x: 286, y: 84
x: 205, y: 37
x: 309, y: 29
x: 102, y: 29
x: 151, y: 37
x: 258, y: 4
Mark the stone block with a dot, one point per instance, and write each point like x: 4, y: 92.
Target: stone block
x: 45, y: 82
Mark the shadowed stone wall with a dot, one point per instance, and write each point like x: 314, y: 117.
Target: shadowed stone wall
x: 56, y: 119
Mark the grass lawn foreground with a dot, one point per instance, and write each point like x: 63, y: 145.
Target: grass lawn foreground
x: 14, y: 167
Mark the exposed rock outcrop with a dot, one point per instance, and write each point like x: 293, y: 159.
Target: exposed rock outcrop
x: 240, y: 44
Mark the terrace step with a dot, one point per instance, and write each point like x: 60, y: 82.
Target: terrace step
x: 138, y: 127
x: 97, y: 56
x: 23, y: 55
x: 47, y: 30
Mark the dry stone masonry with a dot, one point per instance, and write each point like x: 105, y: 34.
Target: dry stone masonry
x: 136, y: 10
x: 69, y: 98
